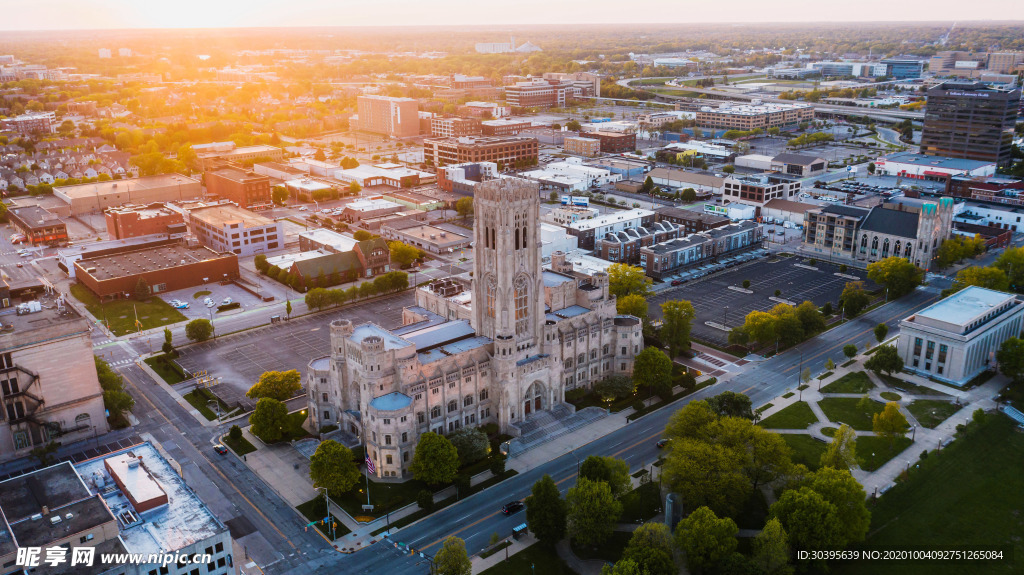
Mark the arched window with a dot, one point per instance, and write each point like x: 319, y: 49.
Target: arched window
x: 863, y: 244
x: 906, y: 250
x: 581, y: 358
x: 483, y: 394
x: 517, y: 238
x: 896, y: 248
x: 491, y: 289
x: 435, y: 412
x: 468, y: 400
x: 885, y: 248
x: 452, y: 406
x: 522, y: 297
x: 874, y: 245
x: 524, y: 238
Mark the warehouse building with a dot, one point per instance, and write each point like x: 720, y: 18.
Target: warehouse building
x: 165, y: 267
x: 98, y: 196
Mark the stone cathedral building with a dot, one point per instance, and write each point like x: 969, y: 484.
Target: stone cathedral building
x: 498, y: 348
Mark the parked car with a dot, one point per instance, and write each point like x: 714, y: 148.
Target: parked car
x: 663, y: 442
x: 513, y: 507
x: 677, y: 282
x: 303, y: 208
x: 226, y: 301
x: 220, y: 449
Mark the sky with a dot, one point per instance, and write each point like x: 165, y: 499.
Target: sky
x: 109, y: 14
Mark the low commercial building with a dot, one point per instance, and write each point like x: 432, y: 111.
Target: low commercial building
x: 460, y: 178
x: 957, y: 338
x: 587, y: 231
x: 398, y: 219
x: 38, y: 225
x: 671, y: 257
x: 483, y: 110
x: 245, y: 188
x: 935, y: 168
x: 800, y: 165
x: 167, y: 267
x: 504, y: 127
x: 754, y: 115
x: 394, y: 175
x: 694, y: 149
x: 734, y: 211
x: 755, y: 162
x: 359, y: 210
x: 571, y: 175
x: 225, y: 227
x: 98, y: 196
x: 554, y: 239
x: 781, y: 211
x: 614, y: 142
x: 428, y: 238
x: 128, y: 502
x: 413, y: 200
x: 136, y: 221
x: 682, y: 179
x: 690, y: 221
x: 994, y: 216
x: 568, y: 214
x: 580, y: 146
x: 308, y: 189
x: 759, y: 189
x: 624, y: 246
x: 229, y: 152
x: 501, y: 150
x: 627, y: 168
x: 993, y: 189
x: 278, y: 171
x: 48, y: 383
x: 455, y: 127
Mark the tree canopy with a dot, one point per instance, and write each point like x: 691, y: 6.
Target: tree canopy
x: 198, y: 330
x: 677, y: 317
x: 592, y: 512
x: 546, y: 511
x: 632, y: 304
x: 435, y: 460
x: 452, y: 559
x: 269, y: 419
x: 705, y: 538
x: 897, y: 274
x: 885, y: 359
x: 279, y: 385
x: 624, y: 279
x: 331, y: 467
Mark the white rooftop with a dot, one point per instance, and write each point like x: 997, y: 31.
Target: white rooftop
x: 307, y: 184
x: 285, y: 261
x: 965, y: 306
x: 371, y: 205
x: 612, y: 218
x: 340, y: 242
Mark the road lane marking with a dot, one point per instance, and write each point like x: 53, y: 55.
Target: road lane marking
x: 748, y: 389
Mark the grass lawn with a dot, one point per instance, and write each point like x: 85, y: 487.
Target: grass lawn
x: 201, y: 293
x: 641, y: 503
x: 240, y: 447
x: 829, y: 431
x: 315, y: 510
x: 873, y: 452
x: 806, y: 449
x: 890, y: 395
x: 165, y: 370
x: 200, y: 398
x: 796, y: 416
x: 853, y: 382
x: 911, y: 388
x: 295, y: 430
x: 120, y: 314
x: 846, y: 410
x: 382, y: 495
x: 980, y: 477
x: 826, y: 375
x: 931, y: 412
x: 537, y: 559
x: 610, y: 550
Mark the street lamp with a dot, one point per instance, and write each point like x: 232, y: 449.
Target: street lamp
x: 573, y: 452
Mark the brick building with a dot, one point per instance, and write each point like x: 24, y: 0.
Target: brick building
x: 689, y: 220
x: 504, y: 127
x: 394, y: 117
x: 614, y: 142
x: 751, y: 116
x: 580, y: 146
x: 624, y: 246
x: 505, y: 150
x: 134, y: 221
x: 117, y: 272
x: 225, y: 227
x: 454, y: 127
x: 246, y: 188
x: 39, y: 226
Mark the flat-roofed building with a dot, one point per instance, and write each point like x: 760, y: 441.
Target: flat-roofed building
x: 394, y: 175
x: 673, y: 256
x: 757, y: 190
x: 413, y: 200
x: 243, y: 187
x: 455, y: 127
x: 244, y: 154
x: 580, y: 146
x: 957, y: 338
x: 356, y: 211
x: 225, y: 227
x: 614, y: 142
x: 31, y: 123
x: 682, y: 179
x: 48, y: 384
x: 39, y: 225
x: 970, y: 120
x: 428, y: 238
x: 98, y: 196
x: 394, y: 117
x: 800, y: 165
x: 165, y: 267
x: 935, y: 168
x: 278, y: 171
x: 308, y: 189
x: 483, y: 110
x: 503, y: 150
x: 754, y: 115
x: 542, y: 93
x: 134, y: 221
x: 690, y: 221
x: 587, y: 231
x: 504, y: 127
x: 460, y: 178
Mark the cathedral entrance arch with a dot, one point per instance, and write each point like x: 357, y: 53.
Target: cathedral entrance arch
x: 533, y: 399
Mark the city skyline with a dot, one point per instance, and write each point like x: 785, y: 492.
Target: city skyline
x: 120, y: 14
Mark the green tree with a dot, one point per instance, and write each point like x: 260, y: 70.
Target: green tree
x: 614, y: 387
x: 885, y: 359
x: 168, y: 346
x: 632, y: 304
x: 141, y: 289
x: 881, y: 330
x: 850, y: 350
x: 890, y: 423
x: 771, y: 547
x: 435, y: 460
x: 677, y: 317
x: 592, y: 512
x: 1011, y: 261
x: 810, y: 521
x: 546, y: 511
x: 331, y: 467
x: 691, y: 422
x: 115, y: 399
x: 471, y: 444
x: 841, y: 452
x: 760, y: 326
x: 652, y: 370
x: 235, y: 433
x: 689, y: 195
x: 403, y: 254
x: 987, y: 277
x: 279, y: 385
x: 648, y: 186
x: 839, y: 488
x: 279, y: 195
x: 731, y: 404
x: 198, y: 330
x: 288, y: 307
x: 452, y: 559
x: 811, y: 319
x: 573, y: 126
x: 553, y: 196
x: 1011, y: 359
x: 896, y: 274
x: 464, y: 207
x: 622, y: 567
x: 706, y: 474
x: 650, y: 547
x: 764, y: 454
x: 362, y: 235
x: 269, y: 419
x: 3, y: 212
x: 317, y: 298
x: 624, y: 279
x: 706, y: 539
x: 854, y: 299
x: 614, y: 472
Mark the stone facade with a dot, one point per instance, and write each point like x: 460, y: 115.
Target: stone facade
x: 531, y: 335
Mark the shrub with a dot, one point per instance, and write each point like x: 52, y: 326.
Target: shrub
x: 425, y: 499
x: 235, y: 433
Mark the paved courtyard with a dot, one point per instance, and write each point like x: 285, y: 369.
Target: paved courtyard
x: 715, y: 302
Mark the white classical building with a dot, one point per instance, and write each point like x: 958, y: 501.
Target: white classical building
x: 957, y: 338
x: 531, y: 335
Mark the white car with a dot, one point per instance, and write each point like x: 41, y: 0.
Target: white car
x: 227, y: 301
x: 303, y: 208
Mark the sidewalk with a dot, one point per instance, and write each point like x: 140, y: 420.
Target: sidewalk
x: 482, y: 564
x: 564, y: 444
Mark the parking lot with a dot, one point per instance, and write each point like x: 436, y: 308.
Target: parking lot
x: 713, y: 300
x: 194, y: 297
x: 239, y: 359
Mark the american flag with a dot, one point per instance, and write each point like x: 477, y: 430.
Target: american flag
x: 369, y: 465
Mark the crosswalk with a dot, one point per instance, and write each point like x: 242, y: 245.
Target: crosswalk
x: 122, y: 362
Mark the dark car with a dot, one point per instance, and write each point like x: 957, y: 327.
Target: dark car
x: 677, y: 282
x: 512, y: 507
x: 662, y: 443
x: 220, y: 449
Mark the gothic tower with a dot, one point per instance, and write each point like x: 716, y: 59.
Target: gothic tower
x: 508, y: 296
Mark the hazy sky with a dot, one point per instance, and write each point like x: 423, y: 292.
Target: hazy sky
x: 79, y: 14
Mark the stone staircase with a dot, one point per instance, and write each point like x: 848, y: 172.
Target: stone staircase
x: 545, y: 426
